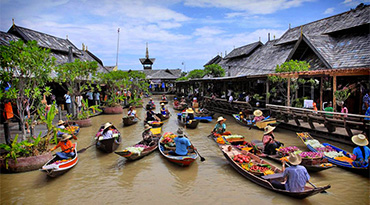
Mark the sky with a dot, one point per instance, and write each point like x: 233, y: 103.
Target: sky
x: 183, y: 34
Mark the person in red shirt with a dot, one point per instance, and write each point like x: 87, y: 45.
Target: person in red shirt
x: 67, y: 147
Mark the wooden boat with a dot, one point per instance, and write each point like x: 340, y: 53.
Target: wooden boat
x: 192, y: 124
x: 154, y: 124
x: 343, y: 164
x: 111, y: 144
x: 260, y: 125
x: 129, y: 120
x: 163, y: 101
x: 264, y: 181
x: 163, y: 117
x: 56, y: 166
x: 131, y: 156
x: 204, y: 113
x: 179, y: 160
x: 179, y: 107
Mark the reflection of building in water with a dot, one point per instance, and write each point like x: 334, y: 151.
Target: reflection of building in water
x: 160, y: 80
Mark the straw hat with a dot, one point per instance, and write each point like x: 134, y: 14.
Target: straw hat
x: 257, y: 113
x: 220, y: 119
x: 294, y: 159
x: 180, y: 132
x: 60, y: 122
x: 162, y: 104
x: 360, y: 140
x: 147, y: 127
x: 190, y: 110
x: 66, y: 137
x: 106, y: 125
x: 268, y: 129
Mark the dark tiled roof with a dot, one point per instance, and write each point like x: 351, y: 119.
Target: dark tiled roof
x: 346, y: 20
x: 243, y: 51
x: 214, y: 60
x: 44, y: 40
x: 147, y: 60
x: 167, y: 74
x: 6, y: 37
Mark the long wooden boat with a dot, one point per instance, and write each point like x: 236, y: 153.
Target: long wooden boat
x: 260, y: 125
x: 163, y: 117
x: 111, y: 144
x: 56, y: 166
x: 191, y: 124
x: 131, y: 156
x: 264, y: 181
x: 205, y: 114
x: 129, y: 120
x: 179, y: 160
x: 343, y: 164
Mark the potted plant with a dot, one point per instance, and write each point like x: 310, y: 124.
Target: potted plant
x: 342, y: 95
x: 83, y: 117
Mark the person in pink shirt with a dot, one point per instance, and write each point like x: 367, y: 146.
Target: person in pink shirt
x: 258, y: 116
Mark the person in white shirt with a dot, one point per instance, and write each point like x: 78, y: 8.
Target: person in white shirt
x: 79, y: 102
x: 231, y: 99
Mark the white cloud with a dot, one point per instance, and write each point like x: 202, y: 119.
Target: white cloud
x: 250, y: 6
x: 207, y: 31
x: 329, y: 10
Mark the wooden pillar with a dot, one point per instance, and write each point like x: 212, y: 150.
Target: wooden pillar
x: 224, y: 89
x: 334, y: 89
x: 321, y: 91
x: 288, y: 93
x: 267, y: 91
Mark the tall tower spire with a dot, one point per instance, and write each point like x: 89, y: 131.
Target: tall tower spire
x: 147, y: 51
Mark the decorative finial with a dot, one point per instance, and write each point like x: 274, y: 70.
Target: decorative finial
x: 147, y: 51
x: 259, y: 39
x: 86, y: 48
x: 301, y: 31
x: 289, y: 25
x: 274, y: 37
x: 83, y: 46
x: 67, y: 36
x: 13, y: 21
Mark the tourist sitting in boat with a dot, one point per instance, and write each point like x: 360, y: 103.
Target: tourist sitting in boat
x: 296, y: 175
x: 147, y: 135
x: 195, y: 103
x: 150, y: 116
x: 182, y: 144
x: 164, y: 98
x: 258, y: 116
x: 132, y: 112
x: 163, y: 110
x: 269, y: 142
x: 361, y: 153
x: 67, y: 147
x: 61, y: 125
x: 151, y: 102
x: 220, y: 127
x: 183, y: 101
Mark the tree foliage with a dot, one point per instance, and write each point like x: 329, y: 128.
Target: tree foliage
x: 215, y: 70
x: 25, y: 68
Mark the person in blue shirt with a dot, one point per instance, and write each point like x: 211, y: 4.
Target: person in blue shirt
x: 361, y: 153
x: 163, y: 110
x: 296, y: 175
x: 220, y: 126
x: 182, y: 144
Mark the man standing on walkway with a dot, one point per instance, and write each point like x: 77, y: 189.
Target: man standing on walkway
x: 67, y: 97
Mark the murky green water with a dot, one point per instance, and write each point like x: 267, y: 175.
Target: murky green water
x: 101, y: 178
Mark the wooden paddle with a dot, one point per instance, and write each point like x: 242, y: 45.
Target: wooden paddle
x: 84, y: 149
x: 201, y: 158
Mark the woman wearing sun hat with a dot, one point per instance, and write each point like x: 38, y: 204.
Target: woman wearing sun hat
x: 361, y: 153
x: 258, y: 116
x: 269, y: 142
x: 147, y: 135
x: 220, y: 126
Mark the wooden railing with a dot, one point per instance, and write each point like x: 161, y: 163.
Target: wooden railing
x: 331, y: 120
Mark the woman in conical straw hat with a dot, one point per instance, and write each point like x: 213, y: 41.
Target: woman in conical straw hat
x: 220, y: 126
x: 258, y: 116
x: 361, y: 153
x: 269, y: 142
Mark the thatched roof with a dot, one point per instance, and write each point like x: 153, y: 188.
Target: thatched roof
x: 5, y: 38
x: 163, y: 74
x: 214, y: 60
x: 243, y: 51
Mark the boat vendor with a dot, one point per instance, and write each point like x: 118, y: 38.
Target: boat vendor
x: 147, y: 135
x: 269, y: 142
x: 183, y: 101
x: 151, y: 102
x: 182, y: 144
x: 132, y: 112
x: 296, y: 175
x: 361, y: 153
x: 67, y: 147
x: 61, y: 125
x: 258, y: 116
x: 107, y: 132
x: 220, y: 127
x: 187, y: 114
x: 150, y: 116
x: 176, y: 102
x: 163, y: 110
x: 195, y: 103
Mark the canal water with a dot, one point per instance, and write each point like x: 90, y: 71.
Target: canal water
x: 101, y: 178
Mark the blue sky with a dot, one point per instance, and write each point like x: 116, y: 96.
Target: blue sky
x: 189, y: 31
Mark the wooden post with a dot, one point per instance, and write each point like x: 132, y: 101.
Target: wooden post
x: 267, y: 91
x: 334, y: 89
x: 321, y: 91
x: 288, y: 92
